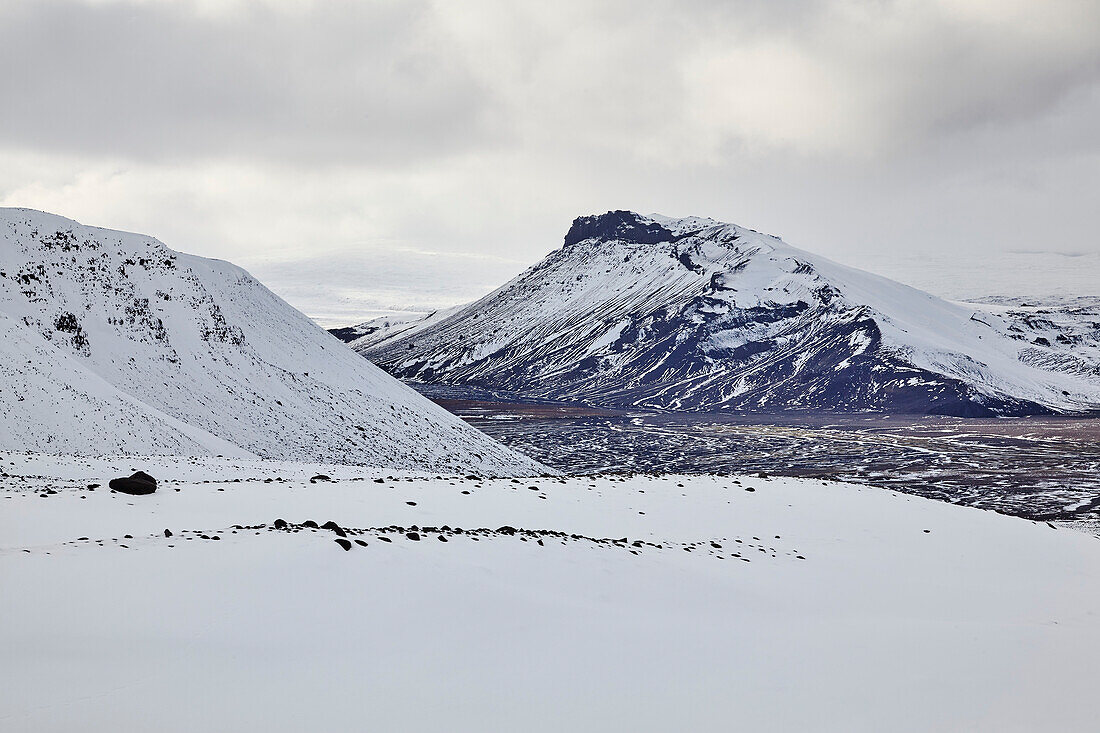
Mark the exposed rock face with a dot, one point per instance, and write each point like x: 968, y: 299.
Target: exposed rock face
x: 622, y: 226
x: 694, y: 314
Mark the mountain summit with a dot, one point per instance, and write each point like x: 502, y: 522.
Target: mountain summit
x: 695, y: 314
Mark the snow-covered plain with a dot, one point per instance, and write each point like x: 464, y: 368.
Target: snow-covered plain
x: 682, y: 603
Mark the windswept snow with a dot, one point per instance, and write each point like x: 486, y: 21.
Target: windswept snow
x: 115, y: 343
x: 596, y: 603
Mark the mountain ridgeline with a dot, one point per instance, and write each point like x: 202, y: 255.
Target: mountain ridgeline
x: 695, y: 314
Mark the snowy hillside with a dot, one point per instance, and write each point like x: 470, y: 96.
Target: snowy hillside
x: 699, y: 315
x: 383, y: 328
x: 600, y: 603
x: 114, y: 343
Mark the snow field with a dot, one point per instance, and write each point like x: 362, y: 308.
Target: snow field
x: 905, y: 614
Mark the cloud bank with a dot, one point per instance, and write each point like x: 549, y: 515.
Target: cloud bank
x: 302, y: 137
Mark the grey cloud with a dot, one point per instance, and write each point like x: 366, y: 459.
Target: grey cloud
x: 889, y: 134
x: 346, y: 82
x: 396, y: 82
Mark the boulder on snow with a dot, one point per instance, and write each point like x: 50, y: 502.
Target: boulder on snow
x: 334, y: 527
x: 138, y: 484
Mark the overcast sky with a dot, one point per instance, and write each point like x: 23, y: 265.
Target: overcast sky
x: 361, y: 156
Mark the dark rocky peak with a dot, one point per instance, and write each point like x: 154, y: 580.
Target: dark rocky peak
x: 625, y: 226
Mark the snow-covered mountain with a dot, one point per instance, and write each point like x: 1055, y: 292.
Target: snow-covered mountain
x: 699, y: 315
x: 111, y: 342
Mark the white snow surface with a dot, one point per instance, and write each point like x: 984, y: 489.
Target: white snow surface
x: 904, y: 615
x: 113, y: 343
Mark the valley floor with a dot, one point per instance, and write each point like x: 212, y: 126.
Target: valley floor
x: 1043, y: 468
x: 588, y: 603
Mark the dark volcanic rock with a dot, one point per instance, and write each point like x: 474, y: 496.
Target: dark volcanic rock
x: 343, y: 543
x: 334, y: 527
x: 139, y: 484
x: 625, y: 226
x: 347, y: 333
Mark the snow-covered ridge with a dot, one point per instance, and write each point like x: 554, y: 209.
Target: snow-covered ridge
x: 697, y: 314
x: 114, y: 343
x: 383, y: 328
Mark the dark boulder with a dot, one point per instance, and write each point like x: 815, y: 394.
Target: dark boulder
x: 344, y: 543
x: 138, y: 484
x: 334, y: 527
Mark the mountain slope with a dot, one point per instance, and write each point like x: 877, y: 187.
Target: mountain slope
x: 383, y: 328
x: 699, y: 315
x: 149, y: 350
x: 51, y: 402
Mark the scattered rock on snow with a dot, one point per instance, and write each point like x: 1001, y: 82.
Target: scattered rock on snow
x: 138, y: 484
